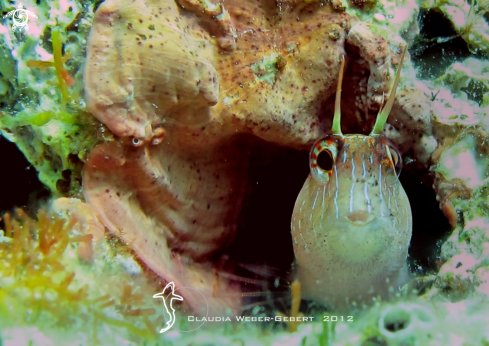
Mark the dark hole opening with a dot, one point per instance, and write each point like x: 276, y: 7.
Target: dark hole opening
x: 430, y: 227
x: 262, y: 249
x: 397, y: 320
x: 395, y: 326
x: 275, y: 179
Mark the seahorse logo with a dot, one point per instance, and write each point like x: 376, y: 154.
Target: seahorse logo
x: 168, y: 295
x: 20, y: 18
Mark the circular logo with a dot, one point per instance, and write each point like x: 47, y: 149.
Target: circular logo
x: 20, y: 18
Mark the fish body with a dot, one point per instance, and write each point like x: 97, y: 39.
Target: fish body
x: 351, y: 224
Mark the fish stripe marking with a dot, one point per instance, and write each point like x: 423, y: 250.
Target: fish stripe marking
x: 352, y: 189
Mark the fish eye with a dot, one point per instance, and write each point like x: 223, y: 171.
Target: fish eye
x: 325, y: 160
x: 137, y: 142
x: 322, y: 159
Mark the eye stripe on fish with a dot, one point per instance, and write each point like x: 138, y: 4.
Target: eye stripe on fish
x: 356, y: 238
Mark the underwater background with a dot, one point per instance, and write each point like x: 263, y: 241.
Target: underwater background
x: 69, y: 277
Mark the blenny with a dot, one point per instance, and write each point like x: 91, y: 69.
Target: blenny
x: 352, y: 223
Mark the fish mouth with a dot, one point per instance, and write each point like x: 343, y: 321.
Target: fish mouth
x: 360, y: 218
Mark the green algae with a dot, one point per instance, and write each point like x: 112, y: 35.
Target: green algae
x: 266, y: 70
x: 43, y: 108
x: 56, y: 143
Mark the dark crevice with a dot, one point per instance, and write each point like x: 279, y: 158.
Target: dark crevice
x: 19, y: 183
x: 276, y: 178
x: 262, y: 249
x: 430, y: 227
x: 437, y: 46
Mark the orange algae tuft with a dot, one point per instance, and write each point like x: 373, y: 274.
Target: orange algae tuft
x: 40, y: 285
x: 58, y: 64
x: 295, y: 288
